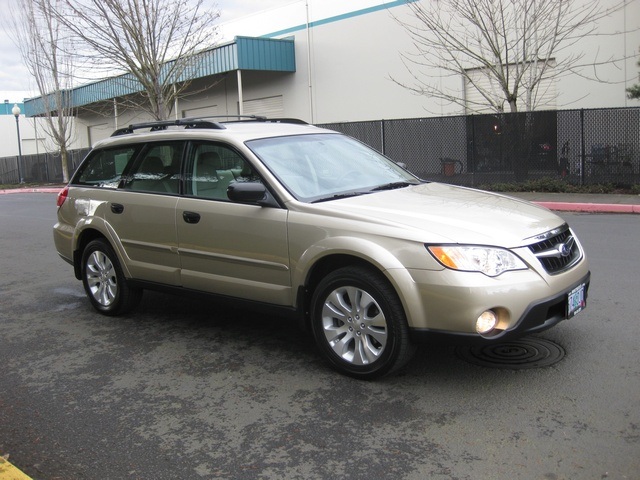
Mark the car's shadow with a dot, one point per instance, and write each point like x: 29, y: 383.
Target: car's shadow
x: 279, y: 340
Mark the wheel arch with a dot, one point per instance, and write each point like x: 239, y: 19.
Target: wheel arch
x: 329, y: 263
x: 84, y: 238
x: 335, y: 252
x: 395, y: 348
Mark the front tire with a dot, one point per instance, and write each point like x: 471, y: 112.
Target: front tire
x: 104, y: 282
x: 359, y: 323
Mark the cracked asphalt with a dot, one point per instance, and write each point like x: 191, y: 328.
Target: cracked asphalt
x: 191, y: 389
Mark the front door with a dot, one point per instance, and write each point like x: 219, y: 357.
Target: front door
x: 224, y: 247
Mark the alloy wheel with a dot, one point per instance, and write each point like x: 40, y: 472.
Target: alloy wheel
x: 354, y: 325
x: 101, y: 278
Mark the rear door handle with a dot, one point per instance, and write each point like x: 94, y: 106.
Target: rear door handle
x: 191, y: 217
x: 117, y: 208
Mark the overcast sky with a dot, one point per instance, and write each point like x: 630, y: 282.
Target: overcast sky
x: 15, y: 81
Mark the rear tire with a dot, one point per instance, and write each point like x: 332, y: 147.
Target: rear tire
x: 104, y: 282
x: 359, y: 323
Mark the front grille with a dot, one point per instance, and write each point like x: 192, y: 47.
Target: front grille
x: 557, y: 251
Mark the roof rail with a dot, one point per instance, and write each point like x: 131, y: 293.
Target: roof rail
x: 281, y: 120
x: 201, y: 122
x: 251, y: 118
x: 163, y: 125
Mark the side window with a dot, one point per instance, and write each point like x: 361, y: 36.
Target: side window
x: 213, y: 167
x: 103, y: 168
x: 157, y: 169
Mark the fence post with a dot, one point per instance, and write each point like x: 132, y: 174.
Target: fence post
x: 582, y: 148
x: 382, y: 136
x: 473, y: 151
x: 19, y: 169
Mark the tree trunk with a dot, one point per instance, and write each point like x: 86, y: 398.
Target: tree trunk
x: 64, y: 154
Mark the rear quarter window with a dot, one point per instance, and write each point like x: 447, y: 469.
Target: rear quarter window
x: 103, y: 168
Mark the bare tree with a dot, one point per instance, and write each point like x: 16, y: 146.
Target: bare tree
x: 504, y: 49
x: 154, y: 42
x: 45, y: 52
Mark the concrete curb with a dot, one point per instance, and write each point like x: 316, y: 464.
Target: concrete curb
x: 590, y: 207
x: 31, y: 190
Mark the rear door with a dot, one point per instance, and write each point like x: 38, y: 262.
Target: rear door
x: 143, y: 213
x: 229, y: 248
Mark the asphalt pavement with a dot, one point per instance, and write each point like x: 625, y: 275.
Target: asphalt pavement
x: 184, y: 390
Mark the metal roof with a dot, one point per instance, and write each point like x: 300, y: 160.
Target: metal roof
x: 244, y: 53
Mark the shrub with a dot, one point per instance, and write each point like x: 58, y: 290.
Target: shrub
x: 554, y: 185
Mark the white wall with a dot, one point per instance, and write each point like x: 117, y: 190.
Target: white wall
x: 352, y: 69
x: 8, y: 135
x: 605, y: 83
x: 28, y: 129
x: 345, y: 65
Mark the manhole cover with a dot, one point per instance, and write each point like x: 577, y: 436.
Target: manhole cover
x: 514, y: 355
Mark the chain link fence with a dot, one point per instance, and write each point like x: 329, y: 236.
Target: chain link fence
x: 600, y: 146
x: 577, y: 146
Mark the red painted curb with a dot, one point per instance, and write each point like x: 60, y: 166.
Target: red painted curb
x: 30, y: 190
x: 591, y: 207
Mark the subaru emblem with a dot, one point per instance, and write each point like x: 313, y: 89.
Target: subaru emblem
x: 564, y: 249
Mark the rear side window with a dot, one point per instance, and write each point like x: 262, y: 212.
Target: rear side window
x: 157, y: 169
x: 103, y: 168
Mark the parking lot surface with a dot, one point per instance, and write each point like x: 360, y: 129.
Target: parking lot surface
x: 194, y: 389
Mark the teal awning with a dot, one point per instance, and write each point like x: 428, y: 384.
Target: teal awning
x: 244, y: 53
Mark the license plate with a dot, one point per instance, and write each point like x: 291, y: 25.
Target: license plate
x: 576, y: 301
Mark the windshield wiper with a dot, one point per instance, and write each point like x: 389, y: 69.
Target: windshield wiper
x: 392, y: 186
x: 338, y: 196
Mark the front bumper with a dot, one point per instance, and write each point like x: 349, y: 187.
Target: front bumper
x: 540, y: 315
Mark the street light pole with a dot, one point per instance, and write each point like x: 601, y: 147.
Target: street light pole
x: 16, y: 113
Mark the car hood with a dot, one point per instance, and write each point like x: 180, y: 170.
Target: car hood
x: 435, y: 212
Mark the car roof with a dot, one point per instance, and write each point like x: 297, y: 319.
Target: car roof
x: 241, y: 131
x: 254, y: 130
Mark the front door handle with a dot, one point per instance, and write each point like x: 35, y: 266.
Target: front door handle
x: 191, y: 217
x: 117, y: 208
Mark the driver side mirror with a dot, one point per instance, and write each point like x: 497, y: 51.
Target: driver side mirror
x: 251, y: 193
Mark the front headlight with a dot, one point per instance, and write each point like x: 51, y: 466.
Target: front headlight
x: 488, y: 260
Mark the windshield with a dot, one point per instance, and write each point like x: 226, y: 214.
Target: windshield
x: 328, y: 166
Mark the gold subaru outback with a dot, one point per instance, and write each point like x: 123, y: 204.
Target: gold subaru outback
x: 283, y: 214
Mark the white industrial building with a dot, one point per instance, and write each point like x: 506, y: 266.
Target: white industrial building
x: 327, y: 61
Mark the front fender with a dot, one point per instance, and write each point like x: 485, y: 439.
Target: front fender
x: 372, y: 253
x: 363, y: 249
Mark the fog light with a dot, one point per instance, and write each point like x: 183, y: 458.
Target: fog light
x: 486, y: 322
